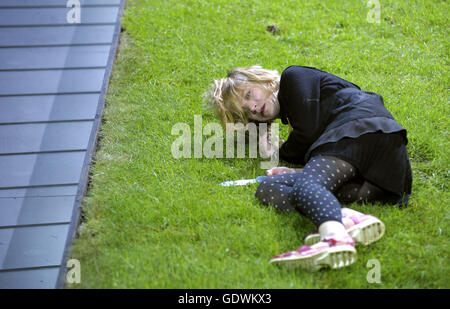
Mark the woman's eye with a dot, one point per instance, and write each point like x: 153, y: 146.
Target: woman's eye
x: 247, y: 96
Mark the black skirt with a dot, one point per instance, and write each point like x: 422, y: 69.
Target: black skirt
x: 381, y: 158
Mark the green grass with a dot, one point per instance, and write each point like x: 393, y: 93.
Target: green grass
x: 153, y: 221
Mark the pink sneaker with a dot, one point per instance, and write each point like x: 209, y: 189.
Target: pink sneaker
x: 331, y: 253
x: 364, y: 229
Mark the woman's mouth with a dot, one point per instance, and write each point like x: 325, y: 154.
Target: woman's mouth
x: 262, y: 110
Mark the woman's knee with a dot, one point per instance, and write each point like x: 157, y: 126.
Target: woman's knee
x: 305, y: 189
x: 275, y: 194
x: 263, y: 189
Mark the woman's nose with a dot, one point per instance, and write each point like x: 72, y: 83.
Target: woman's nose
x: 253, y: 107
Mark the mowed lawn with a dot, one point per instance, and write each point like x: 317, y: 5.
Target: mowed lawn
x: 154, y: 221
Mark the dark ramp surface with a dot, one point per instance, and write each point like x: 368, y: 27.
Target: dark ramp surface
x: 53, y: 80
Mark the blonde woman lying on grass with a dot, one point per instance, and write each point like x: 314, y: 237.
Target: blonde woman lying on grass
x: 351, y: 147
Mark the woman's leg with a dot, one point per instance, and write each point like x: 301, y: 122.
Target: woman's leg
x: 324, y: 174
x: 313, y: 191
x: 310, y: 191
x: 277, y: 191
x: 313, y: 195
x: 362, y: 191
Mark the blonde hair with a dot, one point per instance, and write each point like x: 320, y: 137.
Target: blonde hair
x: 225, y: 95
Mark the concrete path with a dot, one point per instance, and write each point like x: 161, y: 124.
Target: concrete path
x: 54, y: 73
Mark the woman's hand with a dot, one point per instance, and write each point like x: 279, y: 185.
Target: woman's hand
x: 280, y: 170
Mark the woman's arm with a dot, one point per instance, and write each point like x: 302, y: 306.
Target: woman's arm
x: 300, y: 96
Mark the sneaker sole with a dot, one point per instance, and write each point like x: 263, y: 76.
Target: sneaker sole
x: 368, y: 231
x: 334, y: 258
x: 365, y: 233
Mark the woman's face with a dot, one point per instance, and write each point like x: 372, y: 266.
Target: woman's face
x: 260, y: 104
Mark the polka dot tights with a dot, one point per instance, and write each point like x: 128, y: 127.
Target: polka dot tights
x: 311, y: 191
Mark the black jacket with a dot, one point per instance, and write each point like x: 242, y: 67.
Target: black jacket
x: 323, y: 108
